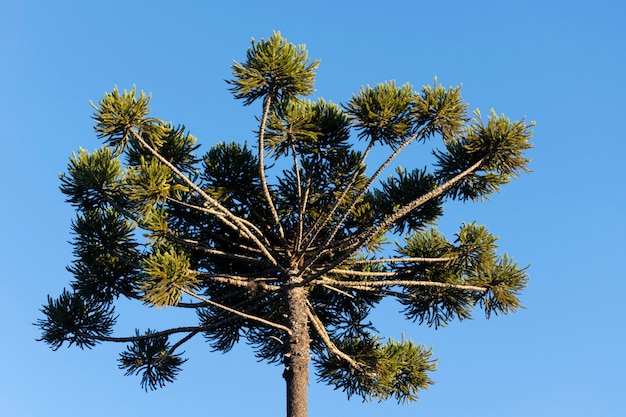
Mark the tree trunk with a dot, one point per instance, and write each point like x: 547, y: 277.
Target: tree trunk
x: 297, y: 353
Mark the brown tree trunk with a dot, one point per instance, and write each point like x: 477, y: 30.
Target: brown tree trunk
x: 297, y: 354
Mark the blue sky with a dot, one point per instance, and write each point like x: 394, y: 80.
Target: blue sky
x: 561, y: 64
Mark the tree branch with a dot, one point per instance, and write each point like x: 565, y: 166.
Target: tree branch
x: 210, y: 200
x: 400, y: 260
x: 220, y: 216
x: 233, y: 311
x: 330, y: 287
x: 301, y: 198
x: 321, y: 331
x: 426, y: 197
x: 319, y: 225
x: 369, y: 183
x: 182, y: 341
x: 359, y: 240
x: 194, y: 244
x: 363, y: 273
x: 238, y: 281
x: 266, y: 191
x: 131, y: 339
x: 400, y: 283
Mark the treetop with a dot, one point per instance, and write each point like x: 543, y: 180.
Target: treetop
x: 286, y: 242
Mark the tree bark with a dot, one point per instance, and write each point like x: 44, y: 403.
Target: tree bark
x: 297, y: 353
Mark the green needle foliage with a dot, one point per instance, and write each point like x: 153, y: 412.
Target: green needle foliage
x: 150, y: 356
x: 285, y: 243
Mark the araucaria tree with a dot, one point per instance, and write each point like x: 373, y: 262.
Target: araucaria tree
x: 292, y: 241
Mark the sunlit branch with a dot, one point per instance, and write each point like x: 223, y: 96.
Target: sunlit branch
x: 266, y: 191
x: 237, y: 281
x: 302, y: 208
x: 321, y: 331
x: 363, y: 273
x: 331, y: 247
x: 369, y: 183
x: 305, y: 202
x: 210, y: 200
x: 194, y: 244
x: 403, y: 211
x: 398, y: 260
x: 255, y: 303
x: 221, y: 217
x: 232, y: 310
x: 337, y: 246
x: 397, y: 283
x: 318, y: 226
x: 330, y: 287
x: 360, y: 239
x: 191, y: 244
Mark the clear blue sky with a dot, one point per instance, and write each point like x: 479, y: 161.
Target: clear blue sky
x: 559, y: 63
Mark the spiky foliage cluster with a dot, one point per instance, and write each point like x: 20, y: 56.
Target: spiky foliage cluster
x: 217, y: 233
x: 151, y: 356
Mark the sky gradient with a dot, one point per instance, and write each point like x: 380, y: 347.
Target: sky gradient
x: 561, y: 64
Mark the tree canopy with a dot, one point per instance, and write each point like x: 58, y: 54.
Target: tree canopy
x: 290, y: 242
